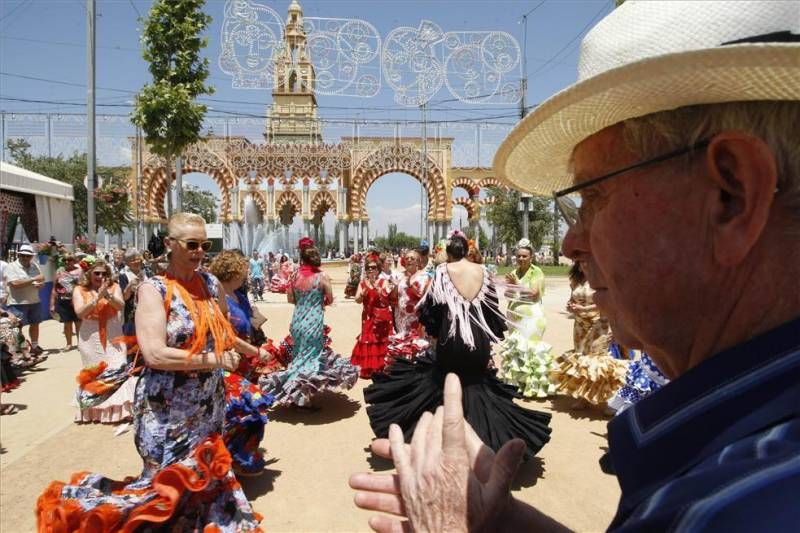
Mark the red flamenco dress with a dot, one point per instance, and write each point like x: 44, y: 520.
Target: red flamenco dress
x: 377, y: 325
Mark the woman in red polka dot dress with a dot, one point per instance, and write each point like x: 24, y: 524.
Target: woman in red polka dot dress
x: 377, y: 322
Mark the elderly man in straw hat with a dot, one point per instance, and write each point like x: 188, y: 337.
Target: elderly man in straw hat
x: 681, y: 138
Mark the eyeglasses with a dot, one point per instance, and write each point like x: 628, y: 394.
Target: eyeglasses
x: 100, y: 274
x: 372, y: 267
x: 193, y: 245
x: 572, y: 214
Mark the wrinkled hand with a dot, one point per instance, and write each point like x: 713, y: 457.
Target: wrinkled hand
x: 447, y: 479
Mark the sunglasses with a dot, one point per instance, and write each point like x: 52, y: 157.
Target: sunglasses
x: 103, y: 274
x: 192, y: 245
x: 372, y: 267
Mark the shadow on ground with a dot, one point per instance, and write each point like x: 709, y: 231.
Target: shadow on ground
x: 255, y: 486
x: 377, y: 463
x: 571, y: 406
x: 334, y: 406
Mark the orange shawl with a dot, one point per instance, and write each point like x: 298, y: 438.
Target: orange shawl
x: 102, y: 312
x: 205, y: 313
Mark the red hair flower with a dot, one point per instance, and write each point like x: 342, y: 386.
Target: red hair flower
x: 305, y: 242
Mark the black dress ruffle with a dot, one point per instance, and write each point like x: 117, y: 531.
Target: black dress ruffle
x: 407, y: 389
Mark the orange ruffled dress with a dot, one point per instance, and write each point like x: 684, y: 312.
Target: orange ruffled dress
x: 186, y: 482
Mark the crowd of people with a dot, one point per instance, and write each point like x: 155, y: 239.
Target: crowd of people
x: 179, y: 352
x: 699, y: 365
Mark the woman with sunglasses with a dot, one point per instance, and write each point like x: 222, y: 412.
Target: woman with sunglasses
x: 98, y: 302
x: 377, y: 322
x: 409, y: 341
x: 185, y: 342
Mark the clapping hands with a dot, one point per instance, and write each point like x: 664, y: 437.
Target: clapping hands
x: 446, y: 480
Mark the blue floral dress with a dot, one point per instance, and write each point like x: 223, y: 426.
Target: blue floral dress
x: 245, y: 406
x: 186, y: 482
x: 314, y: 366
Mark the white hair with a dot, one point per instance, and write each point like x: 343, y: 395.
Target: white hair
x: 776, y: 122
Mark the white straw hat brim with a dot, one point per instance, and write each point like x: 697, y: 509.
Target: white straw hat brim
x: 535, y: 155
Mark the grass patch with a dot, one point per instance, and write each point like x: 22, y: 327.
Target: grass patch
x: 549, y: 270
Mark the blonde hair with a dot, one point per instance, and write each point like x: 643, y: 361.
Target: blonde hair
x: 86, y: 277
x: 776, y: 122
x: 183, y: 219
x: 228, y: 264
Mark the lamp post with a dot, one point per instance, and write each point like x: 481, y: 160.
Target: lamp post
x: 524, y: 208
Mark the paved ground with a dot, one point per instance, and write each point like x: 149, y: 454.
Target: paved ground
x: 310, y: 455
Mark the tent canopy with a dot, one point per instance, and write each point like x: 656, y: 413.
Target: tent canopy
x: 14, y: 178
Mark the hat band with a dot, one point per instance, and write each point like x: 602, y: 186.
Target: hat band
x: 774, y: 37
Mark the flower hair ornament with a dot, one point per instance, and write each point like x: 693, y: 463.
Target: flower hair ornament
x: 305, y: 242
x: 373, y: 257
x: 87, y: 262
x: 456, y: 233
x: 525, y: 243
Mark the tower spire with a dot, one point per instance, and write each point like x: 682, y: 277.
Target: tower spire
x: 292, y: 116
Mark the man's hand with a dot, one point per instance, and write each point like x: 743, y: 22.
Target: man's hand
x: 447, y: 479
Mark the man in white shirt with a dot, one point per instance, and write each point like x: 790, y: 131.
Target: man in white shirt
x: 24, y: 279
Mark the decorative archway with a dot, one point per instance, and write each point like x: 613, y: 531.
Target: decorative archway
x: 406, y: 159
x: 287, y: 204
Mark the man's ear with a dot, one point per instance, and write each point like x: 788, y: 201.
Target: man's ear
x: 744, y: 172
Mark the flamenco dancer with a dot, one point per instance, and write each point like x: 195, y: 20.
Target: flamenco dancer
x: 642, y: 379
x: 460, y: 314
x: 186, y: 482
x: 280, y: 280
x: 245, y: 406
x: 588, y: 373
x: 353, y: 276
x: 377, y: 323
x: 526, y: 358
x: 409, y: 342
x: 314, y: 367
x: 98, y: 304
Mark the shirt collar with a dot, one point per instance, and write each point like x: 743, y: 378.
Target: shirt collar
x: 732, y: 394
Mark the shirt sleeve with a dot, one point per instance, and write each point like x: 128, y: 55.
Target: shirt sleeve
x: 14, y: 273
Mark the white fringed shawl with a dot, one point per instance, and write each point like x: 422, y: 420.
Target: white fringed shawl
x: 442, y: 291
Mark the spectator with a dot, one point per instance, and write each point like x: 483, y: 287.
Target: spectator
x: 129, y: 279
x: 24, y: 281
x: 67, y: 277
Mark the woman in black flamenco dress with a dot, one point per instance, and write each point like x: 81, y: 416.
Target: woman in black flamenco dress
x: 461, y: 331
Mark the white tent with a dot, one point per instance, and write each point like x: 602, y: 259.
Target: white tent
x: 53, y: 200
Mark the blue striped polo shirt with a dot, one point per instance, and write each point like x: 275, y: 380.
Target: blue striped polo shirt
x: 717, y: 449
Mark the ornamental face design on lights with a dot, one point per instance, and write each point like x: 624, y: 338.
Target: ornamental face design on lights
x: 351, y: 59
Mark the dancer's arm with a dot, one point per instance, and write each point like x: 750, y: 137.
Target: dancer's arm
x: 151, y: 334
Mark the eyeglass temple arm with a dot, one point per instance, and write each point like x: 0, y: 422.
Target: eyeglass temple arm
x: 640, y: 164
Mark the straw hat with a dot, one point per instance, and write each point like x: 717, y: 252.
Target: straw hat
x: 651, y: 56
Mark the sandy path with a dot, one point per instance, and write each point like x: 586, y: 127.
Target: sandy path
x: 310, y: 455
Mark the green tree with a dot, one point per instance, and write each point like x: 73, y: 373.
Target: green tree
x: 113, y: 210
x: 505, y: 217
x: 200, y: 202
x: 397, y: 240
x: 166, y: 109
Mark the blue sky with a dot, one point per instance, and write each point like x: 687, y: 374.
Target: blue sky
x: 46, y: 39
